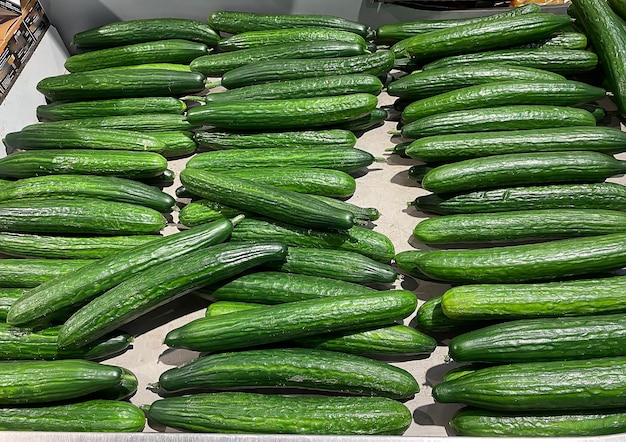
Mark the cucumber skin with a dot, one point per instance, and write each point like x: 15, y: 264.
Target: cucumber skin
x: 29, y: 273
x: 292, y: 320
x: 555, y: 385
x: 7, y: 297
x: 135, y: 123
x: 431, y: 319
x: 102, y: 108
x: 288, y: 139
x: 285, y: 367
x: 250, y: 413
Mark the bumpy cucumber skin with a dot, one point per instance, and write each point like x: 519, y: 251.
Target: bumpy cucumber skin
x: 288, y: 139
x: 136, y: 123
x: 28, y: 273
x: 103, y: 108
x: 431, y: 318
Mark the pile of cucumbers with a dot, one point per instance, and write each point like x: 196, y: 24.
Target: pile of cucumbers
x: 515, y: 151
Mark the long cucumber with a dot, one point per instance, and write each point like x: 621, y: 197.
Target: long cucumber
x: 306, y: 138
x: 27, y: 273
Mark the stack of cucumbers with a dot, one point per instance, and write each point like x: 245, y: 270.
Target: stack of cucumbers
x: 516, y: 155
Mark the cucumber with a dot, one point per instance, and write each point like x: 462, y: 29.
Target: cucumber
x: 618, y: 7
x: 512, y: 117
x: 605, y: 195
x: 103, y: 108
x: 120, y: 83
x: 522, y: 169
x: 266, y: 71
x: 140, y: 123
x: 159, y: 51
x: 276, y: 323
x: 7, y: 298
x: 35, y: 382
x: 561, y: 61
x: 374, y: 119
x: 29, y: 273
x: 85, y: 283
x: 362, y: 215
x: 88, y: 186
x: 475, y: 37
x: 237, y: 22
x: 542, y: 339
x: 177, y: 143
x: 461, y: 146
x: 238, y: 412
x: 521, y: 225
x: 79, y: 216
x: 275, y: 115
x: 484, y: 423
x: 160, y: 284
x: 272, y: 202
x: 218, y: 64
x: 123, y: 164
x: 289, y: 139
x: 547, y: 299
x: 336, y: 158
x: 339, y: 264
x: 554, y: 385
x: 608, y: 37
x: 426, y: 83
x: 261, y: 38
x: 563, y: 40
x: 319, y: 370
x: 503, y: 93
x: 431, y: 319
x: 519, y: 263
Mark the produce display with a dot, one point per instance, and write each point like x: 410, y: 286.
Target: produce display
x: 193, y: 182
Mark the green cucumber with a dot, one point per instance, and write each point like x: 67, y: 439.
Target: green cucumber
x: 431, y: 319
x: 139, y: 123
x: 87, y: 282
x: 563, y: 40
x: 120, y: 83
x: 362, y: 215
x: 218, y: 64
x: 519, y: 263
x: 319, y: 370
x: 545, y: 299
x: 503, y: 93
x: 426, y: 83
x: 238, y: 412
x: 27, y: 273
x: 522, y: 169
x: 267, y: 71
x: 374, y: 119
x: 119, y: 163
x: 520, y: 225
x: 462, y: 370
x: 618, y: 7
x: 288, y: 139
x: 297, y: 113
x: 160, y: 284
x: 7, y: 298
x: 542, y: 339
x: 461, y: 146
x: 177, y: 143
x: 554, y: 385
x: 276, y: 323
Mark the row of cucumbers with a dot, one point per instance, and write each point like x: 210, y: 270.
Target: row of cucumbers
x: 518, y: 187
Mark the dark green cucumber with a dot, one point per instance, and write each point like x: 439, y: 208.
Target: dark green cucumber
x: 119, y: 163
x: 512, y: 117
x: 160, y: 284
x: 522, y: 169
x: 607, y: 35
x: 266, y: 200
x: 484, y: 423
x: 462, y: 370
x: 28, y: 245
x: 319, y: 370
x: 139, y: 123
x: 103, y: 108
x: 337, y: 158
x: 120, y: 83
x: 374, y: 119
x: 88, y: 186
x: 267, y: 71
x: 555, y: 385
x: 556, y: 259
x: 298, y: 113
x: 605, y: 195
x: 548, y: 299
x: 79, y: 217
x: 302, y: 88
x: 260, y: 38
x: 474, y: 37
x: 461, y: 146
x: 431, y: 319
x: 33, y: 382
x: 503, y: 93
x: 543, y: 339
x: 431, y: 82
x: 519, y: 225
x: 177, y: 143
x: 561, y: 61
x: 618, y: 7
x: 288, y: 139
x: 562, y: 40
x: 218, y: 64
x: 240, y: 412
x: 237, y: 22
x: 362, y: 215
x: 7, y: 298
x: 85, y: 283
x: 29, y: 273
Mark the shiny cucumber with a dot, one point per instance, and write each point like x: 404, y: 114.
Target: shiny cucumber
x: 28, y: 273
x: 139, y: 123
x: 374, y: 119
x: 7, y: 298
x: 305, y: 138
x: 572, y: 40
x: 178, y: 143
x: 431, y: 319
